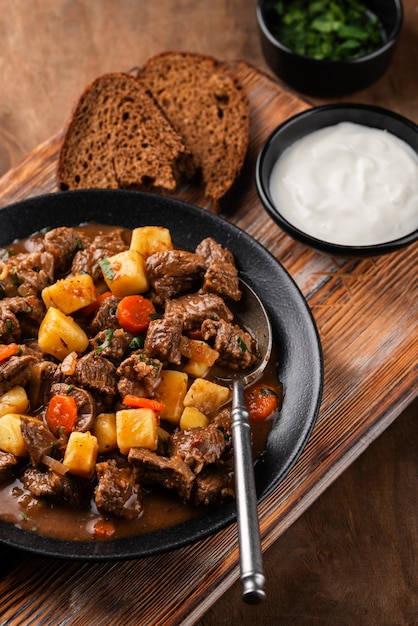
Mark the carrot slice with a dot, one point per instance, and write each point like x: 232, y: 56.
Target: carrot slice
x: 92, y: 308
x: 104, y: 529
x: 261, y: 401
x: 61, y: 414
x: 134, y: 313
x: 143, y: 403
x: 8, y: 350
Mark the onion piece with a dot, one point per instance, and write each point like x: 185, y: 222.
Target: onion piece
x: 68, y: 364
x: 54, y: 465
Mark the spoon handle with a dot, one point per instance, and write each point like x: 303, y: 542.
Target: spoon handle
x: 251, y: 562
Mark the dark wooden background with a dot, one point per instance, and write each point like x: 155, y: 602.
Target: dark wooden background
x: 351, y: 559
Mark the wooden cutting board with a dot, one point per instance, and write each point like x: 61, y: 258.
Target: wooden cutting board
x: 366, y: 313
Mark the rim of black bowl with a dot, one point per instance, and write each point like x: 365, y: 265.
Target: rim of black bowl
x: 391, y: 37
x: 315, y: 112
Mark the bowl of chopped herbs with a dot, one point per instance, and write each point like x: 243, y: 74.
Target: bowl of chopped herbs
x: 329, y: 47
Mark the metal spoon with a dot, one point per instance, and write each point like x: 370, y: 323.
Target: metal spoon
x: 252, y: 316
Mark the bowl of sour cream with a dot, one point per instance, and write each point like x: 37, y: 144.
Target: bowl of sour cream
x: 343, y: 178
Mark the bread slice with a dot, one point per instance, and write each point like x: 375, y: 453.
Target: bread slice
x: 118, y: 137
x: 207, y: 105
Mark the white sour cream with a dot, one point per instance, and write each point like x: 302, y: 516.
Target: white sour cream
x: 348, y: 184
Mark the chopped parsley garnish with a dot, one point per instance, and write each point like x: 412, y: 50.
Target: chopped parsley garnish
x: 107, y: 269
x: 267, y: 391
x: 15, y: 277
x: 242, y: 345
x: 327, y: 29
x: 137, y: 343
x: 105, y: 343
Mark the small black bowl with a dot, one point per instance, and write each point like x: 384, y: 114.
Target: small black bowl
x: 324, y: 78
x: 314, y: 119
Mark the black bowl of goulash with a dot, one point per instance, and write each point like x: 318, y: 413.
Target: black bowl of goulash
x: 343, y: 179
x: 48, y: 488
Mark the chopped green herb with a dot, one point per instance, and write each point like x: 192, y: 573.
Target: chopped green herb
x: 242, y: 344
x: 327, y: 29
x: 25, y: 517
x: 137, y: 343
x: 267, y: 391
x: 15, y: 277
x: 105, y: 343
x: 107, y: 269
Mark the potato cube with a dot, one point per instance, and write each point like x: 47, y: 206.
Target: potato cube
x: 59, y: 334
x: 71, y: 294
x: 81, y: 454
x: 148, y: 240
x: 11, y: 439
x: 14, y: 401
x: 105, y: 432
x: 198, y: 351
x: 125, y: 273
x: 172, y: 390
x: 206, y: 396
x: 192, y: 418
x: 136, y: 428
x: 196, y: 369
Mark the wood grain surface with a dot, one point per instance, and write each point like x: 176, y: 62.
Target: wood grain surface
x: 351, y: 557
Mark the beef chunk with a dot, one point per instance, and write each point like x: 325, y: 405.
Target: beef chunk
x: 223, y: 422
x: 102, y: 246
x: 163, y: 338
x: 139, y: 375
x: 42, y: 376
x: 98, y: 375
x: 118, y: 492
x: 29, y: 273
x: 173, y: 272
x: 198, y: 447
x: 212, y: 486
x: 62, y: 243
x: 9, y: 324
x: 111, y: 344
x: 106, y: 315
x: 221, y: 275
x: 16, y: 370
x: 195, y: 308
x: 31, y: 320
x: 38, y: 440
x: 211, y: 251
x: 20, y: 318
x: 7, y: 462
x: 237, y: 348
x: 52, y: 486
x: 171, y: 473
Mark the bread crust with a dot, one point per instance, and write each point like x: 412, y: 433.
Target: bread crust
x: 208, y: 106
x: 118, y: 137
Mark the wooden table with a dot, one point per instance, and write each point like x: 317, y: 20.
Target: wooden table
x: 365, y: 309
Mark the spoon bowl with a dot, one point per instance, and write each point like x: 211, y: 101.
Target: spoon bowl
x: 250, y: 314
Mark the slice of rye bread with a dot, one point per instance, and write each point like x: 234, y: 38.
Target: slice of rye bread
x: 118, y: 137
x: 207, y: 105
